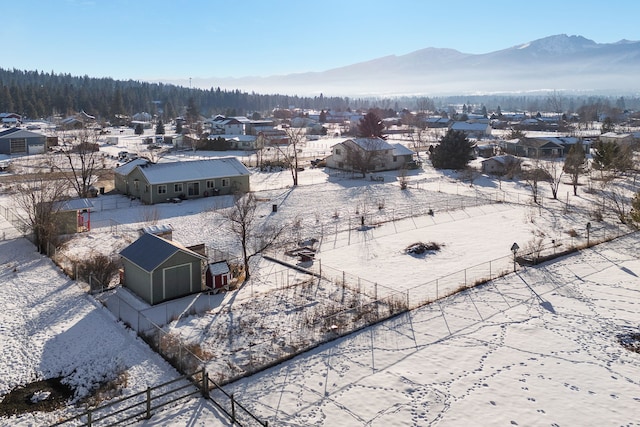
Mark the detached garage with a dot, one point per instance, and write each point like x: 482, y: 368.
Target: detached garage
x: 20, y: 141
x: 158, y: 270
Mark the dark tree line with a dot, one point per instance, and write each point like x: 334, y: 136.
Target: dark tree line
x: 36, y: 94
x: 40, y: 94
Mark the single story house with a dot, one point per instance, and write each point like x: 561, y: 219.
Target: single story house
x: 472, y: 129
x: 544, y: 146
x: 533, y: 147
x: 22, y: 141
x: 438, y: 122
x: 159, y: 270
x: 617, y: 138
x: 500, y: 165
x: 379, y: 153
x: 238, y: 142
x: 174, y: 181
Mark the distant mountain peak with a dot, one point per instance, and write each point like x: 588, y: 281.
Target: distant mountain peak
x: 558, y: 44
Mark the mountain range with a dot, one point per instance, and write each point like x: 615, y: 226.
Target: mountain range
x: 568, y: 64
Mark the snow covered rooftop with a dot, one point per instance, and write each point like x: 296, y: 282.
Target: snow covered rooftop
x: 195, y: 170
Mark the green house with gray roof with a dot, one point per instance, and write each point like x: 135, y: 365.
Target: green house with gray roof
x: 173, y: 181
x: 159, y: 270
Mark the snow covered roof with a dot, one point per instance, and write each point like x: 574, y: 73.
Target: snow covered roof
x: 466, y: 126
x: 75, y: 205
x: 220, y: 267
x: 158, y: 229
x: 401, y: 150
x: 196, y: 170
x: 504, y: 159
x: 126, y: 168
x: 149, y: 251
x: 372, y: 144
x: 20, y: 133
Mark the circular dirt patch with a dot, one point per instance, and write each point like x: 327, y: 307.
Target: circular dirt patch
x: 422, y: 249
x: 45, y: 396
x: 630, y: 341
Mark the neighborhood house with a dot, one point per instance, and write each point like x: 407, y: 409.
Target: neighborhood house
x: 377, y: 153
x: 174, y: 181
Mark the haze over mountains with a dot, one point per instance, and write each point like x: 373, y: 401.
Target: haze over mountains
x: 569, y: 64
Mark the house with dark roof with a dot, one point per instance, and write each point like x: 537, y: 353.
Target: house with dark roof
x: 543, y: 146
x: 158, y: 270
x: 22, y: 141
x: 174, y: 181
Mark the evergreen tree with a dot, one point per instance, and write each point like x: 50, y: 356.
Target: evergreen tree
x: 370, y: 126
x: 454, y: 151
x: 609, y: 156
x: 160, y: 128
x: 607, y: 125
x: 139, y: 130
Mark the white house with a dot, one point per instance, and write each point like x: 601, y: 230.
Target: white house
x: 376, y: 153
x: 472, y: 129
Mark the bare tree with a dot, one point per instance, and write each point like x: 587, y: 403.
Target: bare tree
x: 84, y: 160
x: 363, y: 154
x: 620, y: 204
x: 533, y: 176
x: 290, y: 152
x: 255, y: 236
x: 575, y: 164
x: 552, y: 173
x: 39, y: 195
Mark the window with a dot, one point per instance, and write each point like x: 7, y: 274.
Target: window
x: 177, y: 188
x: 395, y: 159
x: 337, y: 151
x: 341, y: 165
x: 146, y: 188
x: 225, y: 182
x: 193, y: 189
x: 211, y: 184
x: 162, y: 189
x: 136, y: 184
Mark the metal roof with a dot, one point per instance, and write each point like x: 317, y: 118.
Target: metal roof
x: 150, y: 251
x: 196, y: 170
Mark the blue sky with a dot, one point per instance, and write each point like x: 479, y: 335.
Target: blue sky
x: 179, y: 39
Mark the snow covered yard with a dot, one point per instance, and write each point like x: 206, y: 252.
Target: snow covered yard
x: 539, y: 347
x: 387, y: 364
x: 50, y: 328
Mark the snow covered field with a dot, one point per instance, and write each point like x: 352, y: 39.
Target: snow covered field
x: 534, y: 348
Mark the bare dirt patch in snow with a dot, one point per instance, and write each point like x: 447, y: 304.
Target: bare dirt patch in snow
x: 45, y: 395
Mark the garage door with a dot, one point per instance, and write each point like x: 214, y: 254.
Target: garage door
x: 177, y: 281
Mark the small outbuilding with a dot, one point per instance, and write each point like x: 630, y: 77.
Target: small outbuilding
x: 158, y: 270
x: 218, y: 276
x: 501, y: 165
x: 73, y: 216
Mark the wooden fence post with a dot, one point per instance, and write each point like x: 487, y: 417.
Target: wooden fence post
x: 148, y: 414
x: 233, y: 409
x: 89, y: 418
x: 205, y: 384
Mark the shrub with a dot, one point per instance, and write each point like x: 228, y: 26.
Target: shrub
x: 99, y: 267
